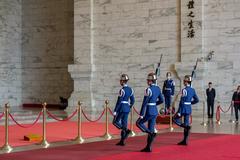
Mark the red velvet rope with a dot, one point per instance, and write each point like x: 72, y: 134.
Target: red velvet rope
x: 226, y: 110
x: 218, y: 113
x: 111, y: 112
x: 84, y: 114
x: 1, y: 116
x: 57, y: 119
x: 163, y: 116
x: 26, y: 126
x: 136, y: 111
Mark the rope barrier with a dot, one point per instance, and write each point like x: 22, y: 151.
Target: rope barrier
x: 136, y: 111
x: 1, y: 116
x: 84, y: 114
x: 66, y: 119
x: 26, y: 126
x: 220, y: 108
x: 163, y: 116
x: 111, y: 112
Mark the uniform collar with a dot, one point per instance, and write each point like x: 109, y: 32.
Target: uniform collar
x: 125, y: 85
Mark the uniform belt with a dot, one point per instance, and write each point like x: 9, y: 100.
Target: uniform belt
x: 187, y: 103
x: 125, y: 102
x: 169, y: 89
x: 151, y: 104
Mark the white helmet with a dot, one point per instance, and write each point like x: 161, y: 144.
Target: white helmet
x: 152, y: 77
x: 124, y: 77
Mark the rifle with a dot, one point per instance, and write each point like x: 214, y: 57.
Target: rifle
x: 157, y: 71
x: 194, y: 69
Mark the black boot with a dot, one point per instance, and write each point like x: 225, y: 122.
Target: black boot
x: 186, y: 133
x: 150, y: 139
x: 121, y: 142
x: 127, y: 132
x: 147, y: 148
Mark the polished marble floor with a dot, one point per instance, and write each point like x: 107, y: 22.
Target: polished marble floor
x: 211, y: 126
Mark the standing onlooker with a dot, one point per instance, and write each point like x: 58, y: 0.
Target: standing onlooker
x: 236, y: 102
x: 210, y: 99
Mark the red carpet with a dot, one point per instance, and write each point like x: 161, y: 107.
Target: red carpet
x: 201, y: 147
x: 58, y: 131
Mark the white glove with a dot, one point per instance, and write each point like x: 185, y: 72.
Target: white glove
x: 179, y: 114
x: 114, y: 113
x: 141, y: 117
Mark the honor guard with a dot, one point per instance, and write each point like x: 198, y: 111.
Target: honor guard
x: 168, y: 91
x: 149, y: 111
x: 188, y: 98
x: 122, y: 108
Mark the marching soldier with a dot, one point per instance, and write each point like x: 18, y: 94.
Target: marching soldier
x: 188, y: 98
x: 122, y: 108
x: 168, y: 91
x: 149, y: 112
x: 236, y: 102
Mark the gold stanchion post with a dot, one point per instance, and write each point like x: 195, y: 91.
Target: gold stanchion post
x: 203, y: 122
x: 171, y: 119
x: 6, y: 147
x: 132, y: 133
x: 218, y: 110
x: 107, y: 134
x: 231, y: 119
x: 79, y: 138
x: 44, y: 142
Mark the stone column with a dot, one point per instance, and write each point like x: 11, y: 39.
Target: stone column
x: 81, y: 70
x: 218, y: 70
x: 192, y: 47
x: 10, y: 52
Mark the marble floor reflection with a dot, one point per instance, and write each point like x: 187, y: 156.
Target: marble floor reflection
x: 225, y: 127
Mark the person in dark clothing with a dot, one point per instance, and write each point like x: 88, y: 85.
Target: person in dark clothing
x: 211, y: 93
x: 236, y: 102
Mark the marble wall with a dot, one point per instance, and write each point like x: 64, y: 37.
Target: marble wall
x: 110, y: 37
x: 36, y: 39
x: 128, y: 36
x: 10, y: 52
x: 221, y: 34
x: 47, y: 49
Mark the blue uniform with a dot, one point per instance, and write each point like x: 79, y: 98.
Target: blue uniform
x: 123, y: 107
x: 149, y: 111
x: 168, y: 92
x: 188, y: 98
